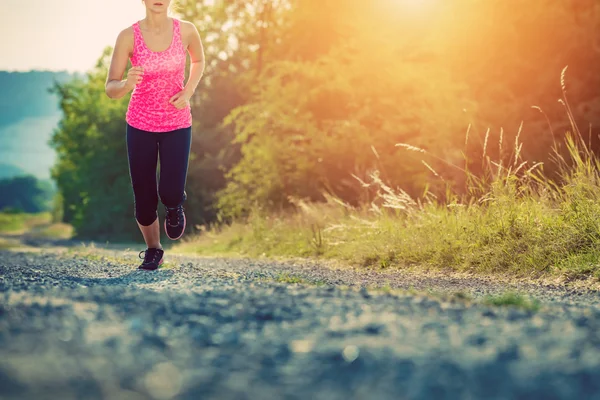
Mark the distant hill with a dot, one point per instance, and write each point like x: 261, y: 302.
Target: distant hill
x: 28, y: 115
x: 10, y: 171
x: 25, y: 95
x: 24, y: 144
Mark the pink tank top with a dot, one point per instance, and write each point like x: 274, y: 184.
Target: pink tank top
x: 164, y: 72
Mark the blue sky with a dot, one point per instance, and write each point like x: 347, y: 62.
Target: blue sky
x: 61, y: 34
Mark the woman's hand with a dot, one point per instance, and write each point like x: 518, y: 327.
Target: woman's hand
x: 181, y: 99
x: 134, y: 76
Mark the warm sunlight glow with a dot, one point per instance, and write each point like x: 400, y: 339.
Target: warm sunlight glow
x: 416, y: 4
x: 58, y: 35
x: 411, y: 7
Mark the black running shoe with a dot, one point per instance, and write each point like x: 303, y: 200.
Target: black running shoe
x: 153, y: 257
x: 174, y: 222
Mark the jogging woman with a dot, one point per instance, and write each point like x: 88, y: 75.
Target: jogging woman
x: 158, y: 118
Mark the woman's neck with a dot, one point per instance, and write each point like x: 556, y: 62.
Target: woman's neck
x: 156, y: 22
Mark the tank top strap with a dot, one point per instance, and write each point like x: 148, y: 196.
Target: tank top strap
x: 137, y: 41
x: 136, y: 30
x: 177, y: 31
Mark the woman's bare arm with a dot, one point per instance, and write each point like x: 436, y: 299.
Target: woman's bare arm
x: 181, y: 99
x: 117, y: 87
x: 196, y: 57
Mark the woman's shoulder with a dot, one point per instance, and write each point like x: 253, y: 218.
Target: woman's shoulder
x: 181, y: 21
x: 187, y: 27
x: 126, y: 33
x: 126, y: 39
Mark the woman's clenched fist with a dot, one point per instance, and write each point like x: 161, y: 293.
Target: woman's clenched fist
x: 134, y: 76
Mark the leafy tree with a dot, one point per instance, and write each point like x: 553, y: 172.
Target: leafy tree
x: 236, y: 44
x: 348, y: 75
x: 339, y: 111
x: 91, y: 170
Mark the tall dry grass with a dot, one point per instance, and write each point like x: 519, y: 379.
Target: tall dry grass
x: 512, y: 219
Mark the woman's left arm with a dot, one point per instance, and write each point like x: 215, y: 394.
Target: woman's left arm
x: 196, y: 50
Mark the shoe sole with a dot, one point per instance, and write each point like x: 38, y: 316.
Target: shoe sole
x: 159, y: 264
x: 182, y: 231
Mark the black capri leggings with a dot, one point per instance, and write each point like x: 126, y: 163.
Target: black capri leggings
x: 144, y: 148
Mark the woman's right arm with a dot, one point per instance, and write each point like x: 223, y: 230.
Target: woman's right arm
x: 117, y: 87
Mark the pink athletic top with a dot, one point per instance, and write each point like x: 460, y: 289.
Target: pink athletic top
x: 164, y: 72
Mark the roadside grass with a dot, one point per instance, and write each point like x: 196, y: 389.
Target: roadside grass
x: 54, y: 231
x: 38, y: 225
x: 522, y: 236
x: 9, y: 243
x: 11, y: 222
x: 513, y: 221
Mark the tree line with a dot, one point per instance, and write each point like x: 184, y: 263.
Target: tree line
x: 303, y: 98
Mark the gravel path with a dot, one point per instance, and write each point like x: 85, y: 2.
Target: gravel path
x: 94, y: 327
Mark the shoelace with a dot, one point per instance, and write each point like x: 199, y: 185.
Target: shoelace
x: 174, y: 214
x: 150, y: 255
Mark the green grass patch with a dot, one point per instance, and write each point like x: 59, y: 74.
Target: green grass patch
x: 512, y: 299
x: 288, y: 278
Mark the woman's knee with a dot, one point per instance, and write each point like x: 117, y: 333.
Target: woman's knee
x: 145, y: 217
x: 145, y: 207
